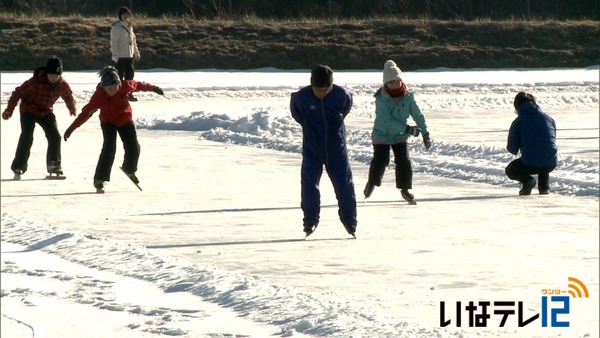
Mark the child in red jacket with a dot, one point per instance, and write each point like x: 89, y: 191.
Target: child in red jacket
x: 111, y: 97
x: 37, y: 96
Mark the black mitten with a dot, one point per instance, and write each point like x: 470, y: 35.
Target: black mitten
x: 158, y: 90
x: 414, y: 131
x: 427, y: 141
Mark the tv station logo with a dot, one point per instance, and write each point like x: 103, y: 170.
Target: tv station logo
x: 555, y: 306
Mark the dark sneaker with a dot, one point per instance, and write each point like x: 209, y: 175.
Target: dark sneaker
x: 132, y: 98
x: 18, y: 173
x: 369, y: 189
x: 309, y: 229
x: 544, y: 192
x: 527, y: 187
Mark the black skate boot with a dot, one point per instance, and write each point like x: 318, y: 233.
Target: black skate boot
x: 309, y: 229
x: 351, y: 229
x: 408, y: 196
x: 18, y: 173
x: 99, y: 185
x: 55, y: 172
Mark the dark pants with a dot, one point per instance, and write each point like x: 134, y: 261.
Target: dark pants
x: 125, y: 68
x: 518, y: 171
x: 48, y: 123
x: 131, y: 146
x: 381, y: 159
x: 341, y: 177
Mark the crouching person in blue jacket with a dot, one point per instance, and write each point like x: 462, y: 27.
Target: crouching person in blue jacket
x: 320, y: 109
x: 533, y: 133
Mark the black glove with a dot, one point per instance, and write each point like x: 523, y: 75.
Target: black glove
x: 68, y: 133
x: 158, y: 90
x: 426, y: 141
x: 414, y: 131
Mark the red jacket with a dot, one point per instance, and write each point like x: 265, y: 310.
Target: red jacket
x: 114, y: 110
x: 38, y: 95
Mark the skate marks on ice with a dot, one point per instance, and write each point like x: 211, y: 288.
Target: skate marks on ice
x: 373, y: 203
x: 326, y: 206
x: 228, y: 210
x: 191, y: 245
x: 268, y: 241
x: 22, y: 179
x: 54, y: 195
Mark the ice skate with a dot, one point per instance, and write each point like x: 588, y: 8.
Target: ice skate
x: 351, y: 229
x: 56, y: 176
x: 18, y: 173
x: 55, y: 171
x: 309, y: 229
x: 133, y: 178
x: 99, y: 185
x: 410, y: 198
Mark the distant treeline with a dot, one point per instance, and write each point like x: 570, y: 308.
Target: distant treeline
x: 318, y: 9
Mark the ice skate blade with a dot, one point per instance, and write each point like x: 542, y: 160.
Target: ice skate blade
x: 55, y: 177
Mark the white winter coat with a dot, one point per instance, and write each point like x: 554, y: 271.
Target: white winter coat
x: 122, y: 42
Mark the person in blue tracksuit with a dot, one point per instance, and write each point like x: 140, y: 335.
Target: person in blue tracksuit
x: 320, y: 109
x: 533, y: 133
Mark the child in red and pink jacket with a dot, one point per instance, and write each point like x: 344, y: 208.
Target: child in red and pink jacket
x: 111, y: 97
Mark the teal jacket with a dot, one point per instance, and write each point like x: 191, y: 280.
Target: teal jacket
x: 391, y: 118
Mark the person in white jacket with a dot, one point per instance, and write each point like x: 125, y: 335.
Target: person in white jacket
x: 123, y: 46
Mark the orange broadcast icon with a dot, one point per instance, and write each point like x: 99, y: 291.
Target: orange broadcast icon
x: 577, y: 289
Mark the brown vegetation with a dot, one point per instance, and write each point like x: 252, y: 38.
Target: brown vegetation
x: 83, y: 43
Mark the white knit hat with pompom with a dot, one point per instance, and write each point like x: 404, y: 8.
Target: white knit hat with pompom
x: 391, y: 72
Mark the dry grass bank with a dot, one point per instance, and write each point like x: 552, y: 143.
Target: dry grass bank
x: 83, y: 43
